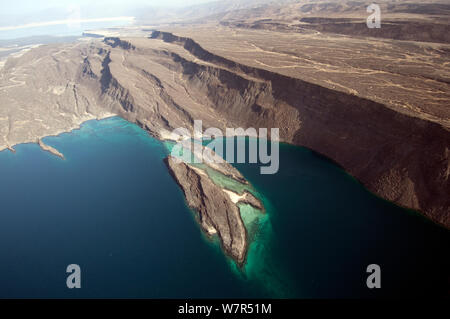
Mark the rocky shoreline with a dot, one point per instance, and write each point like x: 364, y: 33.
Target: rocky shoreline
x: 216, y: 211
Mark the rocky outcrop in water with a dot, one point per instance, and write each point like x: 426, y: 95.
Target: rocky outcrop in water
x: 50, y: 149
x: 216, y: 212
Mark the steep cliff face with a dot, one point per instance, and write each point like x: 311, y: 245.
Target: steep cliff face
x: 399, y: 157
x: 168, y: 81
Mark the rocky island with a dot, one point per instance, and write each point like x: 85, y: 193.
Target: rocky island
x: 217, y: 213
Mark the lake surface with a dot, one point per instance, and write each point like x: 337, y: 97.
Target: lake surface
x: 112, y: 208
x: 60, y: 29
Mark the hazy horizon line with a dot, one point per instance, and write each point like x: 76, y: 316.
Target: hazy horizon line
x: 66, y: 21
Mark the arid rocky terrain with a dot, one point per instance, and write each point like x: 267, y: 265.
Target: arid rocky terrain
x: 376, y: 101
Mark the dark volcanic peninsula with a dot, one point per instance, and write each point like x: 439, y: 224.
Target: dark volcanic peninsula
x: 216, y: 211
x: 375, y: 103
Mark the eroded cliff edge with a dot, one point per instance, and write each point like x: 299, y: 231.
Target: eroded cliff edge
x: 398, y: 156
x: 168, y: 81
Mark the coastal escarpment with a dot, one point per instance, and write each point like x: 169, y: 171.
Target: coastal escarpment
x: 396, y: 155
x: 167, y: 81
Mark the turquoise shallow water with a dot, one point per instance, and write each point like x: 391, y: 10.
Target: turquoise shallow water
x: 113, y: 208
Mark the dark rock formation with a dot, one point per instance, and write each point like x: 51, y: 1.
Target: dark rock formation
x: 215, y: 210
x: 50, y: 149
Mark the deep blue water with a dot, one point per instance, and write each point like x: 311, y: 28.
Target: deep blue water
x: 112, y: 207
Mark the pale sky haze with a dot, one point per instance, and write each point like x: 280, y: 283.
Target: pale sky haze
x: 23, y: 12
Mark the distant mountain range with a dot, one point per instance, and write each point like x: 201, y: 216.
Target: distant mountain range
x: 244, y: 9
x: 163, y: 15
